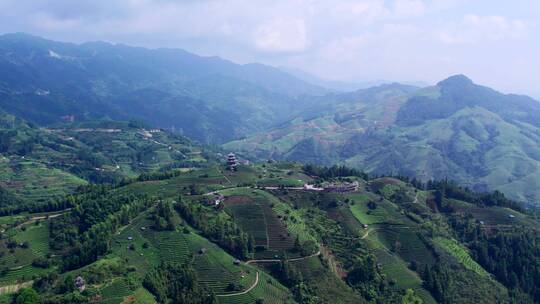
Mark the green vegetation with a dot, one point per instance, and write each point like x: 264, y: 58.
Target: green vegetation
x: 461, y: 254
x: 38, y: 164
x: 94, y: 210
x: 459, y: 130
x: 392, y: 240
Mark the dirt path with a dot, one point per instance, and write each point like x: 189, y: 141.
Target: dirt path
x: 333, y: 264
x: 245, y: 291
x: 15, y: 287
x: 225, y: 176
x: 41, y: 217
x: 133, y: 219
x: 278, y: 260
x: 415, y: 198
x: 367, y: 233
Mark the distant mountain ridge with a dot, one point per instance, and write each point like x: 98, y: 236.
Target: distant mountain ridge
x: 457, y: 130
x: 210, y: 99
x: 344, y: 86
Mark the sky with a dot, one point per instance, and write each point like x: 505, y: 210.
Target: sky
x: 494, y: 42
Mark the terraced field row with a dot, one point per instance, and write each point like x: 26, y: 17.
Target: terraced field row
x: 293, y: 222
x: 405, y: 242
x: 251, y: 218
x: 278, y: 236
x: 384, y: 212
x: 461, y: 254
x: 171, y: 245
x: 37, y: 237
x: 344, y: 216
x: 115, y: 292
x: 218, y: 278
x: 22, y: 274
x: 397, y: 269
x: 267, y: 289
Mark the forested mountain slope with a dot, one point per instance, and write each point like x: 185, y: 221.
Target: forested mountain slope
x: 457, y: 130
x: 208, y: 98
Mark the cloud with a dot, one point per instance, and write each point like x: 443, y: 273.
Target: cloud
x: 282, y: 35
x: 340, y: 39
x: 475, y: 29
x: 409, y: 8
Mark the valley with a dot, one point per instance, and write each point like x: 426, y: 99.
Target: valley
x: 138, y: 175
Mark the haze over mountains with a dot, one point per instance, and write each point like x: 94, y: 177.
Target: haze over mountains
x: 208, y: 98
x: 456, y: 129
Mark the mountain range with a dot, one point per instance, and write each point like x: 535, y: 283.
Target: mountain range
x: 116, y: 185
x: 208, y: 98
x: 456, y: 129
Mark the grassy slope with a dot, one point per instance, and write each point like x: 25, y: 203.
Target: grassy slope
x: 214, y: 268
x: 476, y: 146
x: 19, y: 262
x: 392, y: 235
x: 62, y: 158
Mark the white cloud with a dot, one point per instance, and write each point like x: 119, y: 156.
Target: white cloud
x: 341, y: 39
x: 282, y: 35
x: 474, y: 29
x: 409, y: 8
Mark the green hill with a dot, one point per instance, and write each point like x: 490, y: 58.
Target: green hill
x: 207, y: 98
x: 267, y: 240
x: 42, y: 163
x: 458, y: 130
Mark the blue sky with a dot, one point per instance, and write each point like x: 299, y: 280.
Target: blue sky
x: 496, y: 42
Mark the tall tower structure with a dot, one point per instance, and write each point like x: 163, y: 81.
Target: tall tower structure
x: 232, y: 162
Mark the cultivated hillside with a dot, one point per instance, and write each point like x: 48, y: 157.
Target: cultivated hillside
x: 457, y: 130
x: 38, y: 163
x: 257, y: 236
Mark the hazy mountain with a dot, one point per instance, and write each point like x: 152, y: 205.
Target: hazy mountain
x: 209, y: 98
x: 456, y: 129
x: 344, y: 86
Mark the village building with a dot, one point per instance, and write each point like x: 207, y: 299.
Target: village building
x: 342, y: 187
x: 80, y: 284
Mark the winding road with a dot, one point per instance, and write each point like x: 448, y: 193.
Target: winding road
x: 279, y: 260
x: 257, y: 275
x: 367, y: 233
x: 41, y: 217
x: 243, y: 292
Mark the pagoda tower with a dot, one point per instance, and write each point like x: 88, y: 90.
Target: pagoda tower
x: 232, y: 162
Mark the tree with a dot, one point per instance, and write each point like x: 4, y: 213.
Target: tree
x: 177, y: 283
x: 411, y: 298
x: 27, y: 296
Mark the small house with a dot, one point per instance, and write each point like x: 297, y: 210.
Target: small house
x: 80, y: 284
